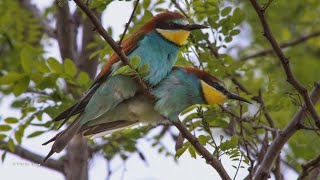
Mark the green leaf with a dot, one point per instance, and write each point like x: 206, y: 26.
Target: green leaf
x: 83, y: 78
x: 41, y: 66
x: 94, y: 54
x: 234, y: 32
x: 54, y: 65
x: 194, y: 125
x: 188, y: 109
x: 3, y: 156
x: 47, y: 124
x: 11, y: 145
x: 146, y: 3
x: 18, y: 136
x: 11, y: 78
x: 5, y: 128
x: 48, y: 81
x: 2, y: 137
x: 69, y: 67
x: 181, y: 151
x: 144, y: 70
x: 192, y: 152
x: 11, y: 120
x: 230, y: 144
x: 125, y: 70
x: 225, y: 11
x: 190, y: 117
x: 238, y: 16
x: 217, y: 122
x: 36, y: 133
x: 26, y: 60
x: 204, y: 139
x: 21, y: 85
x: 135, y: 61
x: 228, y: 39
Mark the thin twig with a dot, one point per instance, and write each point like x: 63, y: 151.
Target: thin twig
x: 267, y: 5
x: 128, y: 23
x: 241, y: 87
x: 109, y: 171
x: 283, y: 45
x: 283, y: 137
x: 177, y: 5
x: 285, y: 62
x: 262, y: 126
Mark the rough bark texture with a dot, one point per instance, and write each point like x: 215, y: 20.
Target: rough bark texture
x: 76, y: 164
x: 84, y: 63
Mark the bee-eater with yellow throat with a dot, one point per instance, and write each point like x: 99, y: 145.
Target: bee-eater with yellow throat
x: 156, y: 43
x: 183, y: 87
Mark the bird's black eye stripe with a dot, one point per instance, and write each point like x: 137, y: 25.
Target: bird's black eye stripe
x: 216, y: 85
x: 169, y: 25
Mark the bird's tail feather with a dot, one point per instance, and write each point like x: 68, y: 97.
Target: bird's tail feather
x: 104, y: 133
x: 52, y: 139
x: 62, y: 139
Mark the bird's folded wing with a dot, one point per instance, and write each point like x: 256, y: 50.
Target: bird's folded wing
x: 112, y: 92
x: 128, y: 45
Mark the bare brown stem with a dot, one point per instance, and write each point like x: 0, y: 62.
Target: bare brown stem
x: 33, y: 157
x: 128, y: 23
x: 283, y: 45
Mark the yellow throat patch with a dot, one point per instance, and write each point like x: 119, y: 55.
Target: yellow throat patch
x: 212, y: 95
x: 178, y: 37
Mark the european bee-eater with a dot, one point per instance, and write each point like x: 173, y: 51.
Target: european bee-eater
x: 183, y: 87
x: 156, y: 43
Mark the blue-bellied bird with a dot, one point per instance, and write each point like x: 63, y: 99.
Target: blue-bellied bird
x: 183, y: 87
x: 156, y: 43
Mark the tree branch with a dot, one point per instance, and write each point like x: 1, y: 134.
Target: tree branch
x: 283, y: 45
x: 241, y: 87
x: 309, y: 166
x: 202, y: 150
x: 76, y: 164
x: 33, y: 157
x: 177, y: 5
x: 84, y: 63
x: 285, y: 62
x: 128, y: 23
x: 193, y: 140
x: 283, y: 137
x: 65, y: 32
x: 45, y: 25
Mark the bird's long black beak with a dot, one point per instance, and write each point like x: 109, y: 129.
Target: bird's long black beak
x: 192, y: 27
x: 236, y: 97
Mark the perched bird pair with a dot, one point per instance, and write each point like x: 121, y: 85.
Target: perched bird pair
x: 115, y: 102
